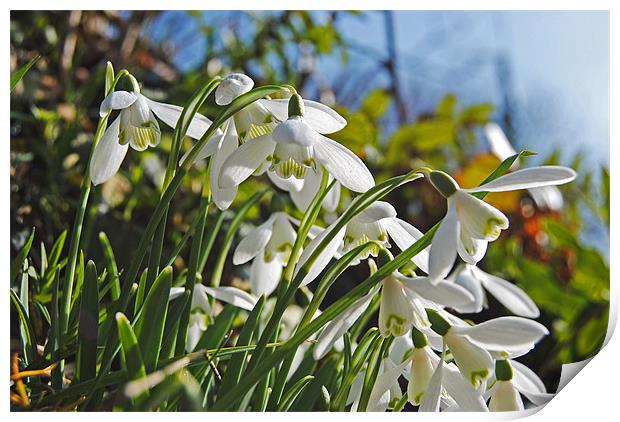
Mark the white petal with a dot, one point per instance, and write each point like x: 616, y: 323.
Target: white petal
x: 291, y: 184
x: 176, y: 292
x: 194, y: 333
x: 471, y: 250
x: 296, y: 131
x: 499, y: 143
x: 474, y: 362
x: 547, y: 197
x: 223, y: 198
x: 108, y: 155
x: 528, y: 178
x: 264, y: 276
x: 208, y: 149
x: 468, y: 399
x: 385, y: 382
x: 420, y: 375
x: 253, y: 243
x: 405, y: 235
x: 332, y: 199
x: 245, y: 160
x: 324, y: 256
x: 478, y: 219
x: 431, y: 399
x: 231, y: 87
x: 356, y: 390
x: 346, y: 167
x: 117, y: 100
x: 233, y: 296
x: 395, y: 310
x: 336, y: 328
x: 320, y: 117
x: 442, y: 293
x: 525, y: 378
x: 506, y: 398
x: 466, y: 279
x: 169, y: 114
x: 511, y: 296
x: 375, y: 212
x: 504, y: 333
x: 443, y: 248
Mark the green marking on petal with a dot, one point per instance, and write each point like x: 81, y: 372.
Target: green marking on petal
x: 477, y: 377
x: 396, y: 325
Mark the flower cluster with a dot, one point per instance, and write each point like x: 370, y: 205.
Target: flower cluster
x: 449, y: 363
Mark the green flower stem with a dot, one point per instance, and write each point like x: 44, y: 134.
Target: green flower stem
x: 67, y: 286
x: 218, y: 269
x: 285, y: 290
x: 372, y: 372
x: 194, y: 257
x: 236, y: 105
x: 333, y: 272
x: 330, y: 313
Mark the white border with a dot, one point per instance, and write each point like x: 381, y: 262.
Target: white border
x: 592, y: 395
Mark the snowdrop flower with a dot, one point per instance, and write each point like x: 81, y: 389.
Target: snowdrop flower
x: 249, y: 122
x: 296, y: 146
x: 513, y: 379
x: 269, y: 245
x: 403, y: 301
x: 470, y: 223
x: 136, y: 126
x: 546, y: 197
x: 471, y: 346
x: 378, y: 223
x: 512, y: 297
x: 201, y: 308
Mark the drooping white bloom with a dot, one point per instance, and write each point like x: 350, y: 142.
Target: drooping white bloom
x: 378, y: 223
x: 201, y: 308
x: 513, y: 379
x: 546, y: 197
x: 249, y: 122
x: 472, y: 346
x: 403, y: 301
x: 136, y: 126
x: 470, y: 223
x: 297, y: 146
x: 424, y: 374
x: 269, y: 245
x: 512, y: 297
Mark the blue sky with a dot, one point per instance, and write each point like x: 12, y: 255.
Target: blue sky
x: 558, y: 63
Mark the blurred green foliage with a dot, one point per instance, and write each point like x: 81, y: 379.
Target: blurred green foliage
x: 55, y: 108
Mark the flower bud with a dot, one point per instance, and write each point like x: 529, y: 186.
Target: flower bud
x: 419, y: 338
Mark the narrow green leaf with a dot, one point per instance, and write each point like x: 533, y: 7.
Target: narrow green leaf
x: 110, y: 261
x: 502, y: 169
x: 28, y: 338
x: 150, y: 326
x: 175, y: 310
x: 21, y: 72
x: 19, y: 259
x: 292, y: 394
x: 235, y: 367
x: 109, y: 77
x: 130, y: 352
x: 88, y: 326
x: 216, y: 333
